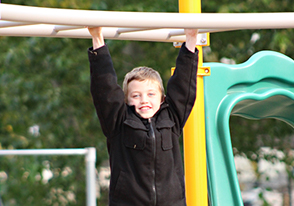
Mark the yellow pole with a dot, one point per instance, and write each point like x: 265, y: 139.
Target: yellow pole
x: 194, y: 132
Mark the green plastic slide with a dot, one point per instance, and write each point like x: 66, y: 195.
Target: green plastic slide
x: 262, y: 87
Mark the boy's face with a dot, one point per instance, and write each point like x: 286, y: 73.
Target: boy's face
x: 145, y: 96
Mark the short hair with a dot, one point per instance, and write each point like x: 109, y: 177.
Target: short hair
x: 142, y: 73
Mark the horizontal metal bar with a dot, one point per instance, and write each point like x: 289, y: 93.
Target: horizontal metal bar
x: 44, y: 152
x: 127, y: 30
x: 58, y: 28
x: 42, y: 30
x: 146, y: 19
x: 158, y: 35
x: 45, y: 30
x: 4, y: 24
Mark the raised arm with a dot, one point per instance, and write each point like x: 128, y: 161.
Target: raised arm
x: 107, y: 95
x: 181, y: 88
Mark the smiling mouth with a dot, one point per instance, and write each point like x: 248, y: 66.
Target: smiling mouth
x: 145, y: 108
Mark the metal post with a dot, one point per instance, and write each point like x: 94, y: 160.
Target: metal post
x: 194, y: 132
x: 90, y: 160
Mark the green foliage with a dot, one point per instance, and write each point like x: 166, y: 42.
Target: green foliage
x: 248, y: 136
x: 239, y: 45
x: 45, y: 82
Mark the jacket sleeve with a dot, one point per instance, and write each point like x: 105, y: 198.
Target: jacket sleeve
x: 108, y: 97
x: 181, y: 88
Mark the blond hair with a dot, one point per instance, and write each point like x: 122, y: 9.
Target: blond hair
x: 142, y: 73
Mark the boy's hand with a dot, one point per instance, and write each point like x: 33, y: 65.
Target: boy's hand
x: 191, y: 39
x: 97, y: 37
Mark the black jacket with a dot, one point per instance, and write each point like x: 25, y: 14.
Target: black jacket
x: 145, y: 157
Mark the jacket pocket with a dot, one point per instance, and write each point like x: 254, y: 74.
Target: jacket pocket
x: 120, y: 187
x: 135, y: 135
x: 165, y: 129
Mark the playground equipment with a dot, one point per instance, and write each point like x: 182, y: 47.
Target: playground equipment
x: 145, y: 26
x: 255, y: 89
x: 262, y: 87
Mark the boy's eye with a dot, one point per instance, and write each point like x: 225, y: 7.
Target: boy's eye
x: 135, y: 95
x: 151, y: 94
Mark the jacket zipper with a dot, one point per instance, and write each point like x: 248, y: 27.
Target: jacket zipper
x: 152, y: 134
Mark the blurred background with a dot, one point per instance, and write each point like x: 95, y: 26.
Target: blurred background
x: 45, y: 102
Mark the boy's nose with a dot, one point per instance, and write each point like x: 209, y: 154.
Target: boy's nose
x: 144, y: 99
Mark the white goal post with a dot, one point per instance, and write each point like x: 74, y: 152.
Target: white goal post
x: 90, y: 162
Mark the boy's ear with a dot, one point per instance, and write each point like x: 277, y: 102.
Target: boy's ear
x: 163, y: 98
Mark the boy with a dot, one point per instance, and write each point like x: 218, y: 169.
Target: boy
x: 142, y: 125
